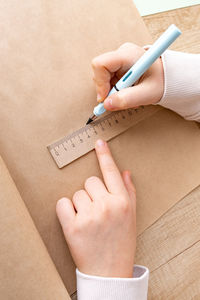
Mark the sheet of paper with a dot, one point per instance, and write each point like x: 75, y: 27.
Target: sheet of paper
x: 146, y: 7
x: 27, y: 271
x: 46, y: 92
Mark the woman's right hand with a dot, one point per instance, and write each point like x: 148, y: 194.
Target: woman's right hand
x: 110, y: 67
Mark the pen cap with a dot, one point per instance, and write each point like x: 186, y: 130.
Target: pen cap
x: 148, y: 58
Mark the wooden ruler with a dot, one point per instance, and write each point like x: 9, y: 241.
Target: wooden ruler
x: 80, y: 142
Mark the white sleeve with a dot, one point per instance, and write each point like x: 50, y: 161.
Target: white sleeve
x: 182, y: 84
x: 113, y: 288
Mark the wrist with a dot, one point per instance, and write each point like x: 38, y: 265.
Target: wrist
x: 106, y: 271
x: 159, y: 79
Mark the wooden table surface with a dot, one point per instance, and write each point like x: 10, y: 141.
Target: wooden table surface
x: 171, y: 246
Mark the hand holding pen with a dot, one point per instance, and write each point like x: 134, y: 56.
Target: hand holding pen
x: 148, y: 90
x: 144, y: 68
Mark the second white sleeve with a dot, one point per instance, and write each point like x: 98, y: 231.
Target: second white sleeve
x: 113, y: 288
x: 182, y: 84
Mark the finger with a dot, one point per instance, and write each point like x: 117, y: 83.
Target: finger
x: 114, y: 80
x: 95, y: 188
x: 66, y: 213
x: 103, y: 67
x: 107, y: 64
x: 111, y: 174
x: 126, y: 175
x: 131, y: 53
x: 81, y: 201
x: 141, y: 94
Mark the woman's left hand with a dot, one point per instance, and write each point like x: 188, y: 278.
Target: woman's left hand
x: 99, y: 223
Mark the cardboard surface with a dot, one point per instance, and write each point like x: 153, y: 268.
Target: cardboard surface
x: 46, y: 92
x: 27, y: 271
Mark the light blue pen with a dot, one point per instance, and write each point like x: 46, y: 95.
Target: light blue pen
x: 138, y: 69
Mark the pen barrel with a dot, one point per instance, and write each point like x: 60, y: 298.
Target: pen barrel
x: 149, y: 57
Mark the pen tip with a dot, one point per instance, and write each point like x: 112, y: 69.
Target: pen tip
x: 89, y: 121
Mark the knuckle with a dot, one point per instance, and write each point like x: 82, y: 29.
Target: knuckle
x: 131, y: 45
x: 89, y: 181
x: 127, y: 45
x: 87, y: 222
x: 78, y: 194
x: 124, y: 207
x: 95, y: 62
x: 82, y: 225
x: 104, y: 206
x: 105, y: 210
x: 132, y: 50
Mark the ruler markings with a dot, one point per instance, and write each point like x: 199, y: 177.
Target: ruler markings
x: 80, y: 142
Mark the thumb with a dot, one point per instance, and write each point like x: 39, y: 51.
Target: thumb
x: 135, y: 96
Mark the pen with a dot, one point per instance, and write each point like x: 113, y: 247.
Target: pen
x: 138, y: 69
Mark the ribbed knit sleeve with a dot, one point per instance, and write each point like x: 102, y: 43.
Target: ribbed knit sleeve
x: 182, y: 84
x: 113, y: 288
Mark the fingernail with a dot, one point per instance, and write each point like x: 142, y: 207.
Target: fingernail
x: 100, y: 143
x: 99, y: 98
x: 108, y: 103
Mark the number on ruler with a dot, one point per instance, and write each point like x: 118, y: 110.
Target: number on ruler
x: 56, y: 152
x: 123, y: 117
x: 130, y: 112
x: 102, y: 128
x: 80, y: 139
x: 94, y: 130
x: 109, y: 123
x: 73, y: 145
x: 64, y: 147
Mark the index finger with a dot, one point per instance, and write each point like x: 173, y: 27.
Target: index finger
x: 104, y: 66
x: 110, y: 172
x: 114, y: 63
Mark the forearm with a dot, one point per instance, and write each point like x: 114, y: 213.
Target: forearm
x: 182, y: 84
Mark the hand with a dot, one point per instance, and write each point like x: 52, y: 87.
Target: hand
x: 99, y: 223
x: 110, y: 67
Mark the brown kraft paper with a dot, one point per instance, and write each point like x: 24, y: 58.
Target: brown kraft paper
x: 26, y: 270
x: 47, y: 92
